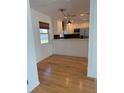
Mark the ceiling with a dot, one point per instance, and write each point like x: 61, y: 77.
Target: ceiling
x: 50, y: 7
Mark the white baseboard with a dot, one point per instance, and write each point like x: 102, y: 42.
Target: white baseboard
x: 35, y: 86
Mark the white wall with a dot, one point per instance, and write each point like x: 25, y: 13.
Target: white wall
x: 92, y: 58
x: 32, y: 74
x: 42, y: 51
x: 71, y: 47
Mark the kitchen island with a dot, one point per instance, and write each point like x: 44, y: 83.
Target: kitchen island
x: 71, y: 47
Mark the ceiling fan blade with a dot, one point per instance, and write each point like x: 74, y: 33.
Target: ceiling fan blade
x: 86, y: 13
x: 73, y: 15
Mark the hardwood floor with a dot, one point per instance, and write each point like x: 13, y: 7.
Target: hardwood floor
x: 64, y: 74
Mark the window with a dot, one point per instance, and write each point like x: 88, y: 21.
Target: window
x: 44, y: 35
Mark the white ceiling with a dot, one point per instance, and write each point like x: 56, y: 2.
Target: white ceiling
x: 50, y: 7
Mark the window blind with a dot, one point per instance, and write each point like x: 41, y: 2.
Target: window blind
x: 43, y: 25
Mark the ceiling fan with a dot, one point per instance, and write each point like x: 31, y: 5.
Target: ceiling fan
x: 68, y: 17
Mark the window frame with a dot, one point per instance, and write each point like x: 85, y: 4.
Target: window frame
x: 44, y: 25
x: 45, y: 34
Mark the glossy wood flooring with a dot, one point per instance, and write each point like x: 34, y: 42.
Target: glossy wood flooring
x: 64, y: 74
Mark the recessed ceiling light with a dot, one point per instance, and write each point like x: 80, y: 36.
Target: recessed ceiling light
x: 81, y: 14
x: 65, y: 17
